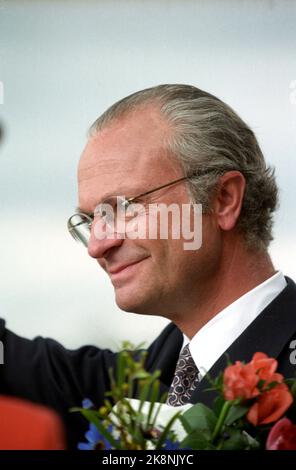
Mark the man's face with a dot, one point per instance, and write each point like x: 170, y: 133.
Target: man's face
x: 129, y: 157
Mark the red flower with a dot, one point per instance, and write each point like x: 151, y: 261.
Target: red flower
x: 265, y: 368
x: 282, y: 436
x: 240, y: 381
x: 270, y: 406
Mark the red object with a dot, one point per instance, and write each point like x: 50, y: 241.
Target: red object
x: 241, y: 380
x: 270, y: 406
x: 265, y: 368
x: 26, y: 426
x: 282, y: 436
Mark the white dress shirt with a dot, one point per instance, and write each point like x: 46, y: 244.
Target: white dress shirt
x: 215, y: 337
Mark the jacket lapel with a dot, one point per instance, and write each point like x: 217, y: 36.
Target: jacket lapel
x: 268, y: 333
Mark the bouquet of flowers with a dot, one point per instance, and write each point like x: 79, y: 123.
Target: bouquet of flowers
x: 255, y: 409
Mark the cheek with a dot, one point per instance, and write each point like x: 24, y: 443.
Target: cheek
x: 158, y: 261
x: 211, y: 240
x: 102, y: 263
x: 189, y: 265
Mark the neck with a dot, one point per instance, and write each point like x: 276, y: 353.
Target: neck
x: 242, y: 272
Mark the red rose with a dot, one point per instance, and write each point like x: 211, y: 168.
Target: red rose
x: 265, y: 368
x: 282, y: 436
x: 240, y: 381
x: 270, y: 406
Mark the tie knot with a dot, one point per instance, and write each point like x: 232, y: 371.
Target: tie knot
x: 186, y: 358
x: 185, y: 351
x: 186, y: 364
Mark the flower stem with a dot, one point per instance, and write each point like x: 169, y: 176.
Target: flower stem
x: 223, y: 414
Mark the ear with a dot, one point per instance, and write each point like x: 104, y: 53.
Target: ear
x: 228, y: 199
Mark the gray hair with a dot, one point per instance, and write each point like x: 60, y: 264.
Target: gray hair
x: 207, y: 133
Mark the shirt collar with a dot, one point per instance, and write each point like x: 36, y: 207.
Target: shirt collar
x: 215, y: 337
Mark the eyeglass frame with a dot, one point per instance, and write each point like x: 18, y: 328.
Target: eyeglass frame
x: 132, y: 199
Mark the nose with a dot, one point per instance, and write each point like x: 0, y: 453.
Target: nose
x: 101, y: 240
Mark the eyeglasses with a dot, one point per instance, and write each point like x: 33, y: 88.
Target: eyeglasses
x: 79, y: 224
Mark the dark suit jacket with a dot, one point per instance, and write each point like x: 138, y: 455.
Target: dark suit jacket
x: 43, y: 371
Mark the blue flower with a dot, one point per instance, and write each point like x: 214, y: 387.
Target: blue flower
x: 87, y: 403
x: 95, y: 439
x: 170, y: 445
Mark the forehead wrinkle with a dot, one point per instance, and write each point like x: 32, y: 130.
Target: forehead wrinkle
x: 135, y: 166
x: 102, y: 168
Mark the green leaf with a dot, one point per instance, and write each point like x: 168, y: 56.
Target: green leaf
x: 253, y: 443
x: 236, y: 412
x: 74, y: 409
x: 237, y: 440
x: 121, y: 368
x: 130, y: 346
x: 166, y: 431
x: 290, y: 382
x: 197, y: 440
x: 216, y: 384
x: 218, y: 405
x: 144, y: 392
x: 185, y: 424
x: 92, y: 417
x: 158, y: 409
x: 141, y: 374
x: 153, y: 398
x: 260, y: 384
x: 199, y: 417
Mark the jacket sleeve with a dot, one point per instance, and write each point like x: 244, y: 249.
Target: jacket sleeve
x: 43, y: 371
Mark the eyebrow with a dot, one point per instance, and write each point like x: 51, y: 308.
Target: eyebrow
x: 79, y: 210
x: 105, y: 198
x: 138, y: 194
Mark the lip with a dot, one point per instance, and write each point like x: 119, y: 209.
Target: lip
x: 125, y: 268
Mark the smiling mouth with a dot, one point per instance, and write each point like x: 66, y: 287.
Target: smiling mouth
x: 124, y: 270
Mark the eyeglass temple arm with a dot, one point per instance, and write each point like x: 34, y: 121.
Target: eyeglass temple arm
x: 196, y: 173
x: 160, y: 187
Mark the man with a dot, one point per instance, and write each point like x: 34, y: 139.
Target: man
x: 172, y: 144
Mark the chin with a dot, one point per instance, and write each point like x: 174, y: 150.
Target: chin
x: 129, y: 302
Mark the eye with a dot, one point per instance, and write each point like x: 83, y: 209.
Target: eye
x: 128, y: 208
x: 105, y: 208
x: 135, y: 209
x: 123, y: 205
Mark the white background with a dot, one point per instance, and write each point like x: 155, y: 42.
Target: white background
x: 61, y: 64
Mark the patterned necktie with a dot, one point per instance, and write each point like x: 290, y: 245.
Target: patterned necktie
x: 185, y: 379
